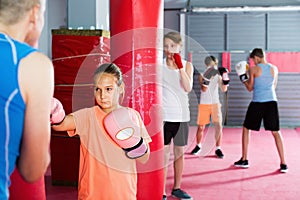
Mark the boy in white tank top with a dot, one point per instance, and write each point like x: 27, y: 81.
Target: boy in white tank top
x: 210, y: 106
x: 177, y: 83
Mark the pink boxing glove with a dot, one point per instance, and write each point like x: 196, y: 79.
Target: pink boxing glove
x: 124, y: 127
x: 177, y: 59
x: 57, y: 113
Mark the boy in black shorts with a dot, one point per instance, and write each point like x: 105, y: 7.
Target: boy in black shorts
x: 262, y: 81
x: 177, y: 82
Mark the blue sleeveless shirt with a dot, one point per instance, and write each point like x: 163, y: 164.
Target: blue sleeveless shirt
x: 12, y: 108
x: 264, y: 89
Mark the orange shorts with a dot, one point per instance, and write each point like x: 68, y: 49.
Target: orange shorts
x: 205, y: 111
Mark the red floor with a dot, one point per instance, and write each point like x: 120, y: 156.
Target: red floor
x: 208, y: 178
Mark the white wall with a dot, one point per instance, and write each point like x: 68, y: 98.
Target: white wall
x: 81, y: 14
x: 55, y: 18
x: 89, y: 13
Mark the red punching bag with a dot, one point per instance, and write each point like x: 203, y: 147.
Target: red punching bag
x: 20, y: 189
x: 136, y: 35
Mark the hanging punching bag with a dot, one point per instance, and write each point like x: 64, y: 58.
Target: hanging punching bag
x: 136, y: 47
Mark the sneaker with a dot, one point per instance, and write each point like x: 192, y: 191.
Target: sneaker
x: 219, y: 153
x: 180, y: 194
x: 283, y: 168
x: 242, y: 163
x: 164, y: 197
x: 196, y: 150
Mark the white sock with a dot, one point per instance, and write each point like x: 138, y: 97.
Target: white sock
x: 199, y: 145
x: 218, y: 147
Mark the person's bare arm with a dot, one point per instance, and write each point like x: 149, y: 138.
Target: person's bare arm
x: 223, y: 87
x: 187, y: 77
x: 36, y: 79
x: 250, y: 82
x: 275, y: 74
x: 68, y: 124
x: 203, y: 88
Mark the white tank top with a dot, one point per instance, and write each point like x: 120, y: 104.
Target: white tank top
x: 175, y: 98
x: 211, y: 95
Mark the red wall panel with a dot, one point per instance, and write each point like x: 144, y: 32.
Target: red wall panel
x: 285, y: 61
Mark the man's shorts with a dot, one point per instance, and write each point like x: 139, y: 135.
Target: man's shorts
x: 266, y: 111
x: 178, y: 131
x: 205, y: 111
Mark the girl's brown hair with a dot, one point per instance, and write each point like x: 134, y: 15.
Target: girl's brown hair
x: 174, y: 36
